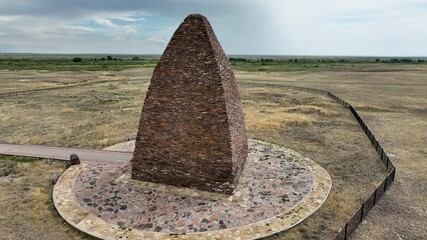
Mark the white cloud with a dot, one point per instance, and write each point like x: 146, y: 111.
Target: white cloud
x: 160, y: 40
x: 7, y: 18
x: 130, y: 19
x: 81, y: 29
x: 340, y: 27
x: 297, y: 27
x: 130, y: 30
x: 105, y: 22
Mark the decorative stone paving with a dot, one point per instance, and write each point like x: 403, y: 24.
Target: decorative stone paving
x: 278, y: 189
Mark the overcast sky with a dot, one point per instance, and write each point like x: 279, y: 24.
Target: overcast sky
x: 266, y: 27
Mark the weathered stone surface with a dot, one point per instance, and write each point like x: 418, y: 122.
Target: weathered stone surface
x: 191, y: 131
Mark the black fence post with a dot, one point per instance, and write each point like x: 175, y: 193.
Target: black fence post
x: 385, y: 184
x: 375, y: 196
x: 361, y: 214
x: 345, y: 231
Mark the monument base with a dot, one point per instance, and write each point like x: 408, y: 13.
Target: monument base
x: 277, y: 190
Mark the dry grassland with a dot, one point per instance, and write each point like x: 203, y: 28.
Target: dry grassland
x: 327, y: 133
x: 93, y: 116
x: 393, y: 102
x: 27, y: 211
x: 25, y: 80
x: 99, y: 115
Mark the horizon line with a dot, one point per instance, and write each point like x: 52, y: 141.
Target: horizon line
x: 249, y: 55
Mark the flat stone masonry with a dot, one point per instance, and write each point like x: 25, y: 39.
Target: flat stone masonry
x: 191, y: 131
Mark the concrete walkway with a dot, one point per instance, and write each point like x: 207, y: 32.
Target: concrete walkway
x: 63, y: 153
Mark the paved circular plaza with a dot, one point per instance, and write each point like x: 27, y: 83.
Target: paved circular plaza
x: 277, y: 190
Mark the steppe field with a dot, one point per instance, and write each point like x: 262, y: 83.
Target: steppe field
x: 104, y: 106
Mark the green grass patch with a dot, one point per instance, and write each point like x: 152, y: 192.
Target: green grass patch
x: 18, y: 159
x: 9, y: 164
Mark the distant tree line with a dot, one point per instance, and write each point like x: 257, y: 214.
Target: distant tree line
x: 406, y: 60
x: 239, y: 60
x: 264, y: 61
x: 108, y: 58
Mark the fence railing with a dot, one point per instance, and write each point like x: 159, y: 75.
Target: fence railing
x: 358, y: 216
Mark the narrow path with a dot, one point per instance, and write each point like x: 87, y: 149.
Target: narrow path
x: 63, y: 153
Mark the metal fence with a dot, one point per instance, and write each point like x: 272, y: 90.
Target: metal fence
x: 358, y: 216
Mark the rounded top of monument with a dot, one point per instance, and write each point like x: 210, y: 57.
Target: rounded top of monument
x: 195, y: 16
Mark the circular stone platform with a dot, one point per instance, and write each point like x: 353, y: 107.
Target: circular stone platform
x: 277, y: 190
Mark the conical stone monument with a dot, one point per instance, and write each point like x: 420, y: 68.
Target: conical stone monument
x: 191, y: 131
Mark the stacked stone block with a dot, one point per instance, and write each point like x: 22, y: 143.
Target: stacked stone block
x: 191, y: 131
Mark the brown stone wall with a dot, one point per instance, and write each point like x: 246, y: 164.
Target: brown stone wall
x: 191, y: 131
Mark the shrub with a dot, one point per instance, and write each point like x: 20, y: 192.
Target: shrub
x: 237, y: 59
x: 77, y: 59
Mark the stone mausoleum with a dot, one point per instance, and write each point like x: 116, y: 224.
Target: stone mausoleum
x: 191, y: 132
